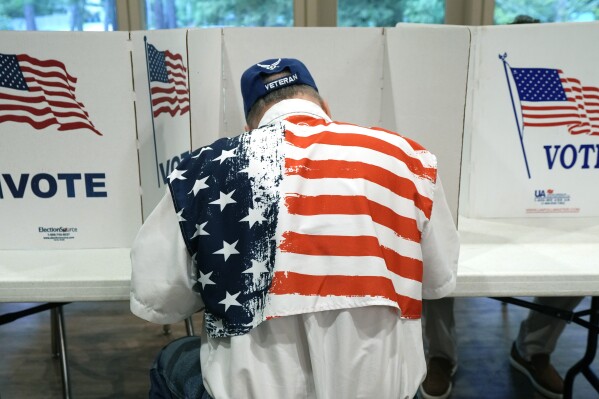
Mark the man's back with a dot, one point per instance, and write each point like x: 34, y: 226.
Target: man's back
x: 354, y: 353
x: 305, y: 215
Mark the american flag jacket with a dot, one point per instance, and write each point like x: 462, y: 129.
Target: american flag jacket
x: 304, y: 215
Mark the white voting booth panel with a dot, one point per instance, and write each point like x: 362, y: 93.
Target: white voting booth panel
x: 205, y: 85
x: 347, y: 65
x: 425, y: 93
x: 532, y: 122
x: 162, y: 108
x: 68, y: 158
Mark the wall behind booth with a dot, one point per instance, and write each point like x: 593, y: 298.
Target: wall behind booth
x: 347, y: 65
x: 68, y: 157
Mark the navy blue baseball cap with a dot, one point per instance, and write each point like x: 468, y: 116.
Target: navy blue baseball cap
x: 252, y: 81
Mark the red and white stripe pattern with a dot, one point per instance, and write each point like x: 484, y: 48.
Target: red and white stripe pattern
x: 580, y: 111
x: 171, y: 97
x: 356, y: 201
x: 47, y: 99
x: 586, y: 101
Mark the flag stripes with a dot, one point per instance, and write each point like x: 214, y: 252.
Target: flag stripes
x: 306, y: 244
x: 356, y: 202
x: 548, y: 99
x: 168, y: 82
x: 409, y: 147
x: 414, y: 165
x: 342, y: 286
x: 356, y: 205
x: 347, y: 187
x: 40, y: 93
x: 401, y: 186
x: 354, y: 225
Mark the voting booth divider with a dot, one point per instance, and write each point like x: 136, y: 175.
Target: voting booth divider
x: 68, y: 157
x: 532, y: 122
x: 74, y: 105
x: 92, y: 124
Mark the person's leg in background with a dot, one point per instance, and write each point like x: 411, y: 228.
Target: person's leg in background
x: 439, y: 334
x: 177, y: 372
x: 536, y: 341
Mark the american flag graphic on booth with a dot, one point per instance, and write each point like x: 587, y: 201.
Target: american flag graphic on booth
x: 168, y: 82
x: 548, y: 98
x: 40, y: 93
x: 302, y: 216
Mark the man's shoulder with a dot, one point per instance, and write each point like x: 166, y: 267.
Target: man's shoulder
x: 379, y: 132
x: 229, y: 142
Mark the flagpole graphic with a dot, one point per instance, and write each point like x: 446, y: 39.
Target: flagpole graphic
x: 520, y: 128
x: 152, y: 109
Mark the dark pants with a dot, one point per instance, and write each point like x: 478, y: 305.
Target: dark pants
x: 177, y: 373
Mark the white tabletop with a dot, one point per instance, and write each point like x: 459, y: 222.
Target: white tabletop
x: 498, y: 257
x: 65, y: 275
x: 521, y: 257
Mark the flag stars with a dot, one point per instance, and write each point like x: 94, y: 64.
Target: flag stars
x: 199, y: 184
x: 254, y: 216
x: 180, y: 217
x: 218, y: 324
x: 227, y: 250
x: 177, y: 174
x: 200, y: 230
x: 225, y: 154
x: 256, y: 269
x: 230, y: 300
x: 205, y: 279
x: 224, y: 200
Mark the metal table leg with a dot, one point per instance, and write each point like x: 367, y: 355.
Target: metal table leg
x: 592, y: 325
x: 58, y: 336
x: 583, y: 366
x: 64, y: 361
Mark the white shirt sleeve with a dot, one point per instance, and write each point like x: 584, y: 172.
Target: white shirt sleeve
x: 162, y: 270
x: 440, y: 249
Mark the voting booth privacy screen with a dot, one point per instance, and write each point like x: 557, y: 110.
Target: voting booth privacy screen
x: 532, y: 122
x: 160, y: 73
x: 68, y: 156
x: 92, y: 124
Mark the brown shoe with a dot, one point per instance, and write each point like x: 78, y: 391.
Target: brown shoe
x: 437, y: 384
x: 540, y: 372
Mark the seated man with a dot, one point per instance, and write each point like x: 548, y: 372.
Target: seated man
x: 308, y: 243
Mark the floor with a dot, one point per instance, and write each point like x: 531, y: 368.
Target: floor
x: 110, y: 352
